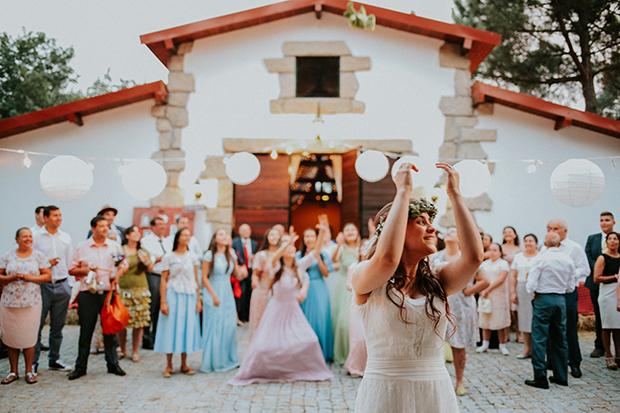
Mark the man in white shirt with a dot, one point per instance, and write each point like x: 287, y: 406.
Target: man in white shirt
x: 551, y: 277
x: 194, y: 246
x: 578, y: 255
x: 56, y: 246
x: 157, y: 245
x: 40, y: 220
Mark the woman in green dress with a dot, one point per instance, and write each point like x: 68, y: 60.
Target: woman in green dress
x: 135, y: 292
x: 346, y: 254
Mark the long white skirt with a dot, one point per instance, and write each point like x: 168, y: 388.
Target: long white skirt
x: 412, y: 386
x: 607, y: 302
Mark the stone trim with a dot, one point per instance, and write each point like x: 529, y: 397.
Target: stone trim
x: 461, y: 139
x: 285, y: 68
x: 171, y: 119
x: 220, y: 217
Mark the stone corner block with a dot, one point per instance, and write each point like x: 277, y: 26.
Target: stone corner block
x: 180, y: 82
x: 178, y: 162
x: 288, y: 85
x: 353, y: 64
x: 175, y: 140
x: 176, y: 63
x: 185, y: 48
x: 178, y: 117
x: 348, y: 85
x: 450, y: 56
x: 447, y: 152
x: 169, y: 197
x: 478, y: 135
x: 178, y: 99
x: 158, y: 111
x: 471, y: 150
x: 163, y: 125
x: 456, y: 106
x: 221, y: 215
x: 276, y: 106
x: 214, y: 168
x: 283, y: 65
x: 462, y: 82
x: 357, y: 106
x: 484, y: 109
x: 164, y: 141
x: 224, y: 192
x: 479, y: 203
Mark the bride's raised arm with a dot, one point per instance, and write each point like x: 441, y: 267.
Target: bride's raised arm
x: 455, y: 275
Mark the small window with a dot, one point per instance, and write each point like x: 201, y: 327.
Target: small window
x: 318, y: 77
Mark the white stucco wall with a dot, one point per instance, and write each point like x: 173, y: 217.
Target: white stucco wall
x: 401, y: 91
x: 525, y: 201
x: 128, y: 131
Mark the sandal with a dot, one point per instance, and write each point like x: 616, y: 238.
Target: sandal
x: 611, y: 363
x: 31, y: 378
x: 167, y: 374
x: 188, y: 371
x: 135, y: 358
x: 461, y: 391
x: 121, y: 355
x: 10, y: 378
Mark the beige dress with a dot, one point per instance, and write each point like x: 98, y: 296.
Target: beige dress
x: 260, y: 296
x: 499, y: 317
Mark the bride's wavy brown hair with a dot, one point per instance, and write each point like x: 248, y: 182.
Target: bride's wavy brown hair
x: 424, y: 282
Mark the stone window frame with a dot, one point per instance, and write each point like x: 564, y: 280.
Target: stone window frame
x: 285, y: 67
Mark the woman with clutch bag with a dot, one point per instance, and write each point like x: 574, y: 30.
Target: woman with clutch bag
x: 178, y: 327
x: 499, y: 318
x: 21, y: 272
x: 135, y: 292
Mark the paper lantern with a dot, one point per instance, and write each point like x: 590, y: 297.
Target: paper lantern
x: 242, y: 168
x: 144, y: 179
x: 372, y: 166
x: 577, y: 182
x: 475, y: 177
x: 427, y: 175
x: 66, y: 178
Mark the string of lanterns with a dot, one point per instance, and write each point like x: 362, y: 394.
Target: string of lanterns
x: 66, y: 178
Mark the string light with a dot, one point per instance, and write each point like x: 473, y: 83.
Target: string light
x: 274, y: 154
x: 27, y: 162
x: 532, y: 168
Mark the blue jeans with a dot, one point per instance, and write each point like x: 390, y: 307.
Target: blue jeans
x: 549, y: 327
x: 55, y: 301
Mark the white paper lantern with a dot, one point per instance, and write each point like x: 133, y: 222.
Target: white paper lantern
x: 372, y: 166
x: 144, y: 179
x: 475, y: 177
x: 66, y: 178
x: 243, y: 168
x: 577, y: 182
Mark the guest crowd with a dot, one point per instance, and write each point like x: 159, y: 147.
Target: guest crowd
x: 182, y: 300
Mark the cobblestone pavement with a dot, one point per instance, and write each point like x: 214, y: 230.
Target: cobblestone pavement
x: 495, y: 384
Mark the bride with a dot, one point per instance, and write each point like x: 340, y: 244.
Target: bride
x: 402, y: 300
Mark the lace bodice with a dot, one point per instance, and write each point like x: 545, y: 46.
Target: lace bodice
x: 389, y: 338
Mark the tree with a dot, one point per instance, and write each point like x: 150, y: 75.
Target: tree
x: 34, y: 74
x: 552, y: 48
x: 100, y: 87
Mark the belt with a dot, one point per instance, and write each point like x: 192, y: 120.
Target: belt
x: 58, y: 281
x: 152, y: 273
x: 414, y: 370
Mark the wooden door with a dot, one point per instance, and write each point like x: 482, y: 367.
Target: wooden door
x: 350, y: 207
x: 264, y: 202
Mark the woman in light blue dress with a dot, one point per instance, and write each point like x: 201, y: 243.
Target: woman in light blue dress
x: 219, y: 320
x: 178, y: 327
x: 316, y: 306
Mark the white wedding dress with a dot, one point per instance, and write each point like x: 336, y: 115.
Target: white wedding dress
x: 405, y: 371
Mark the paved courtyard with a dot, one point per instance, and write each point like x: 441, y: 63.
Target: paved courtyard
x: 495, y: 384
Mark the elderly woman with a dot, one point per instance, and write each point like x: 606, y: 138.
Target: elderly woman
x: 606, y: 270
x: 135, y: 292
x: 21, y: 272
x: 519, y: 271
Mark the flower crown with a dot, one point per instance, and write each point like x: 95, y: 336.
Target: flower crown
x: 416, y: 208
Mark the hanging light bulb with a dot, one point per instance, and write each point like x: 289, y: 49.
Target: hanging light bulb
x: 274, y: 154
x: 289, y: 150
x: 27, y: 162
x: 532, y: 168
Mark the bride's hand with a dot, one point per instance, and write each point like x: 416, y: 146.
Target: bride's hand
x: 452, y: 178
x: 403, y: 176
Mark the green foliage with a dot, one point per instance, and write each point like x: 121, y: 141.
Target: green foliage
x: 552, y: 49
x: 34, y: 74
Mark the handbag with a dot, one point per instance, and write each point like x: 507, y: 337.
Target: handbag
x: 485, y: 305
x: 114, y: 314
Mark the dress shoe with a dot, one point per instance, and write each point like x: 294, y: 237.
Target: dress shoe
x: 558, y: 382
x: 46, y: 348
x: 76, y: 374
x: 575, y: 372
x: 116, y: 370
x: 59, y: 365
x: 540, y: 383
x: 597, y: 352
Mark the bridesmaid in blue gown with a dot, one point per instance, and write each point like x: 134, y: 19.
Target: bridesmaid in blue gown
x: 317, y: 306
x: 219, y: 322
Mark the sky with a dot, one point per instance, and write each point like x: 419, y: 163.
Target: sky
x: 107, y: 34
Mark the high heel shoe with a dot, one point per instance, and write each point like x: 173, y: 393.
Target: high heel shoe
x: 611, y: 363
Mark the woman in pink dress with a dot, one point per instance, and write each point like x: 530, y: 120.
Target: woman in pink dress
x: 285, y: 347
x: 356, y: 360
x: 261, y: 279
